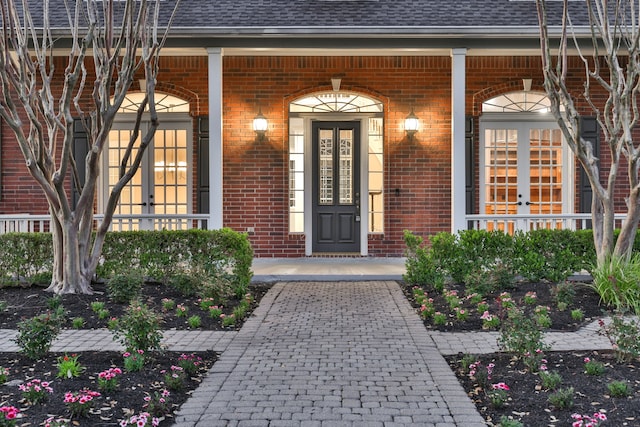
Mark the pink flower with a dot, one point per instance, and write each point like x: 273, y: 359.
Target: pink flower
x: 500, y: 386
x: 587, y: 360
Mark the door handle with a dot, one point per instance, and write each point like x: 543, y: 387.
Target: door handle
x: 528, y: 203
x: 141, y: 204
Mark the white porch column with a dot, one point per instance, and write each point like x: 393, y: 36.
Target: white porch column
x: 215, y: 138
x: 458, y: 84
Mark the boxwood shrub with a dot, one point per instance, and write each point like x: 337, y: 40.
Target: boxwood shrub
x: 158, y: 255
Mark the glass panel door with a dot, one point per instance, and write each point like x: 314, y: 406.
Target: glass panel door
x: 524, y: 171
x: 162, y: 183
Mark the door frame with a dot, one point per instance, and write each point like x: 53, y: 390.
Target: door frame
x: 308, y: 176
x: 336, y: 207
x: 524, y: 121
x: 166, y: 120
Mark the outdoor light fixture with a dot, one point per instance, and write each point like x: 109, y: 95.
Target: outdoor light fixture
x: 411, y: 124
x: 260, y: 125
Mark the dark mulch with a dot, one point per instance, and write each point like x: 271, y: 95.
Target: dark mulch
x: 528, y: 400
x: 23, y: 303
x: 128, y: 399
x: 109, y: 408
x: 585, y: 298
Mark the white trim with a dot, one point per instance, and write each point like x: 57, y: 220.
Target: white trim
x: 308, y: 175
x: 215, y: 139
x: 458, y: 172
x: 522, y: 122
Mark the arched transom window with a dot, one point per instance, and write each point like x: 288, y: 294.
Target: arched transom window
x: 518, y: 102
x: 164, y: 103
x: 332, y: 102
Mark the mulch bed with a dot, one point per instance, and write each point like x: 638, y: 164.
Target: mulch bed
x: 528, y: 402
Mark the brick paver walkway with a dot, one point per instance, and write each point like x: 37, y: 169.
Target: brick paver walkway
x: 331, y: 354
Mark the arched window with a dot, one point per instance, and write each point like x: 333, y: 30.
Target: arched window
x: 335, y: 102
x: 518, y: 102
x: 162, y: 185
x: 164, y: 103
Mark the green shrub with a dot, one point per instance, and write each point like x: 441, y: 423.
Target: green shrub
x: 35, y: 335
x: 562, y: 399
x: 519, y: 334
x: 564, y: 293
x: 506, y: 422
x: 124, y: 287
x: 25, y: 257
x: 551, y: 380
x: 139, y: 328
x: 617, y: 281
x: 421, y: 266
x: 216, y: 289
x: 187, y: 284
x: 623, y: 334
x: 618, y: 389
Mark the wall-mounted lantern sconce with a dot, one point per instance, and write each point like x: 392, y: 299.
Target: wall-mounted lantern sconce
x: 260, y: 125
x: 411, y: 124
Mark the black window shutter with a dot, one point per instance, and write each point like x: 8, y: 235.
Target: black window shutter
x: 203, y: 164
x: 469, y: 165
x: 80, y: 151
x: 590, y: 131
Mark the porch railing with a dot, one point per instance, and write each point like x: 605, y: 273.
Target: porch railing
x: 513, y: 223
x: 27, y: 223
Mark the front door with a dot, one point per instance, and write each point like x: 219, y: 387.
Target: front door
x: 336, y: 187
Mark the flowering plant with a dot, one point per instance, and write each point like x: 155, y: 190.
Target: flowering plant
x: 158, y: 404
x: 489, y: 321
x: 588, y: 421
x: 206, y: 303
x: 107, y: 380
x: 481, y: 376
x: 498, y: 394
x: 593, y: 367
x: 134, y: 361
x: 427, y: 309
x: 530, y: 298
x: 439, y: 318
x: 80, y: 402
x: 461, y: 313
x: 8, y: 416
x: 69, y: 367
x: 143, y: 419
x: 4, y: 375
x: 182, y: 310
x: 215, y: 311
x: 189, y: 362
x: 229, y: 320
x: 35, y: 391
x: 174, y: 380
x: 56, y: 422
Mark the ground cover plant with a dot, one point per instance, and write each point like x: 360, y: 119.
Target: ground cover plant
x: 104, y: 393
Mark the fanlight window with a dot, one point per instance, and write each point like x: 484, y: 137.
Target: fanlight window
x: 518, y: 102
x: 164, y: 103
x: 343, y: 102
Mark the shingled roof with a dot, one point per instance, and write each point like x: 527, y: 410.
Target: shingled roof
x: 238, y: 23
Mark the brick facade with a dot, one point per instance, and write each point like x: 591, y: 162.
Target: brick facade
x: 417, y: 172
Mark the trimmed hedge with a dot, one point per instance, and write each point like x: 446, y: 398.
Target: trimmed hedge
x: 537, y: 255
x: 157, y: 254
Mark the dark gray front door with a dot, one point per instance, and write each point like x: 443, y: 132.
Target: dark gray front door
x: 336, y: 187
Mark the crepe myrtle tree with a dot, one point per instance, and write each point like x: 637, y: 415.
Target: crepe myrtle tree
x: 106, y: 44
x: 609, y: 49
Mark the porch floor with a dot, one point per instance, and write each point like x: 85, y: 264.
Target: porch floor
x: 327, y: 269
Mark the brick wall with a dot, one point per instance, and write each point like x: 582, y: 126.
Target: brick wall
x: 417, y: 172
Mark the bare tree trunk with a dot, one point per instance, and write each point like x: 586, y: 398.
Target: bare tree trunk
x: 122, y: 38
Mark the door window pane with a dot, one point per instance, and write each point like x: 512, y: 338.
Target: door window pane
x: 545, y: 175
x: 501, y: 171
x: 325, y: 158
x: 346, y: 166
